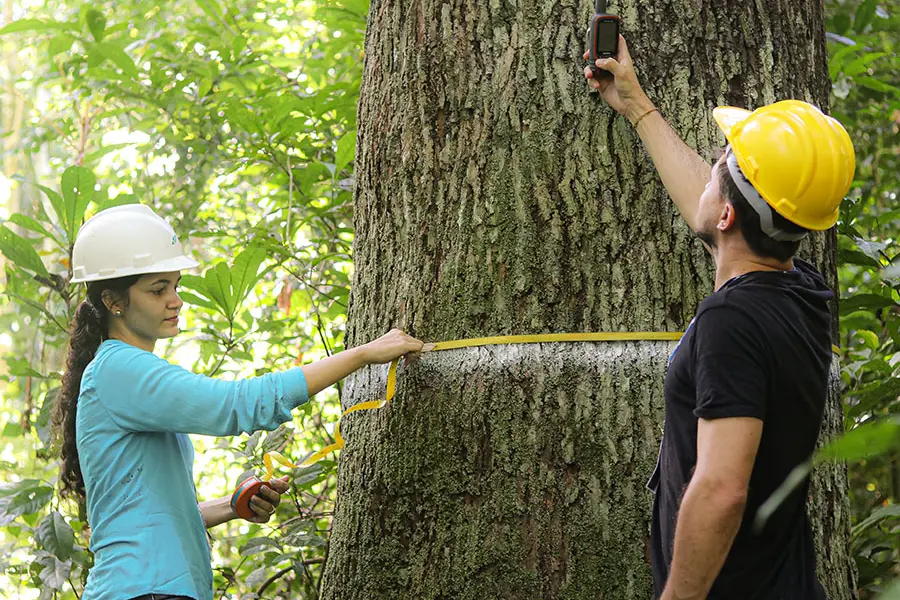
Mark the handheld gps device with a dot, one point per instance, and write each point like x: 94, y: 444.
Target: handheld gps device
x: 603, y: 37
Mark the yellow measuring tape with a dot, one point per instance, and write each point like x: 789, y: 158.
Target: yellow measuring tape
x: 628, y: 336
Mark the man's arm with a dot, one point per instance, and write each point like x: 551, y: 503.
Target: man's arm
x: 683, y: 172
x: 713, y: 505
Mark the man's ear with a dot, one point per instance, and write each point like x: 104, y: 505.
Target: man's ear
x: 727, y: 218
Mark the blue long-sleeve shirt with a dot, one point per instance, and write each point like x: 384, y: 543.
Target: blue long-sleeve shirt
x: 134, y: 412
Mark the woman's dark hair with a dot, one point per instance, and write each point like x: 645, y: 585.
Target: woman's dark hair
x: 760, y: 243
x: 88, y: 329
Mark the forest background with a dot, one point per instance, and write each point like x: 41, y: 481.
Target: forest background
x: 237, y: 121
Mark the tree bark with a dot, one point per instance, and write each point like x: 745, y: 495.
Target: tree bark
x: 495, y: 195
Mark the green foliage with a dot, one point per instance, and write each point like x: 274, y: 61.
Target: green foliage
x: 236, y: 121
x: 865, y: 70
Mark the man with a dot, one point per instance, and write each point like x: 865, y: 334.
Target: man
x: 746, y: 387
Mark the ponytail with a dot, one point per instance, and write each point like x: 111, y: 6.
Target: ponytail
x: 89, y: 328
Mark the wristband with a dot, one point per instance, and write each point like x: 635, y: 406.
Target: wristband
x: 641, y: 118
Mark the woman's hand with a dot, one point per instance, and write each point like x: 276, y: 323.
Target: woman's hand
x: 392, y: 345
x: 267, y: 500
x: 323, y: 373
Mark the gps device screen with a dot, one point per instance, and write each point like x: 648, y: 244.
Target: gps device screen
x: 607, y: 37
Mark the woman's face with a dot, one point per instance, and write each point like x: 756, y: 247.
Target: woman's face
x: 152, y: 310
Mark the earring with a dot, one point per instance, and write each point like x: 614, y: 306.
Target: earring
x: 118, y: 313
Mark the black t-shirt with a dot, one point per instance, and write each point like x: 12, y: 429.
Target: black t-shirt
x: 759, y: 347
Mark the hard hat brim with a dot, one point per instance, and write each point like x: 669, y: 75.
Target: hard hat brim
x: 174, y: 264
x: 727, y: 117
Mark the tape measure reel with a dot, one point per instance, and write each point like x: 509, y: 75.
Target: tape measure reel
x: 240, y: 499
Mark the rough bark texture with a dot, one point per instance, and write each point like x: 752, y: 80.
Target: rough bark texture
x: 496, y: 196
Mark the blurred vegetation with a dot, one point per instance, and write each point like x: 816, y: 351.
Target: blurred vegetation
x: 237, y: 121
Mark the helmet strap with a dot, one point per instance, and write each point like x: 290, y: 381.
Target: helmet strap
x: 757, y: 202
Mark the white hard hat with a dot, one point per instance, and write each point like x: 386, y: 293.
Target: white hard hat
x: 126, y: 240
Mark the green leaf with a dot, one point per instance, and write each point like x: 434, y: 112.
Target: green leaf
x: 885, y: 512
x: 874, y: 250
x: 58, y: 205
x: 874, y: 396
x: 276, y: 439
x: 869, y: 439
x: 872, y: 302
x: 252, y: 441
x: 841, y: 23
x: 861, y: 64
x: 860, y: 319
x: 26, y: 222
x: 305, y: 540
x: 95, y: 58
x: 195, y: 300
x: 31, y: 500
x: 8, y: 489
x: 260, y: 545
x: 868, y: 338
x: 78, y: 191
x: 19, y: 367
x: 218, y: 286
x: 18, y: 250
x: 42, y: 425
x: 242, y: 117
x: 889, y: 217
x: 308, y: 476
x: 120, y: 200
x: 245, y: 271
x: 96, y: 23
x: 878, y: 86
x: 27, y: 497
x: 346, y: 151
x: 110, y: 51
x: 308, y: 177
x: 211, y: 8
x: 864, y: 15
x: 56, y: 536
x: 35, y: 25
x: 60, y: 43
x: 238, y: 43
x: 12, y: 430
x: 855, y: 257
x: 835, y: 63
x: 257, y: 577
x: 54, y: 572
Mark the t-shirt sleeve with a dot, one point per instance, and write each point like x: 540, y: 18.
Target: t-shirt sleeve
x: 729, y: 365
x: 142, y: 392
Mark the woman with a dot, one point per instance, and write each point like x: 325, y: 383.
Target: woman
x: 124, y: 413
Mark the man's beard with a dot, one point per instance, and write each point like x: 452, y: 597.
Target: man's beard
x: 707, y: 237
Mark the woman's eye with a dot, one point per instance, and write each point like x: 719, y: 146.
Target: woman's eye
x: 159, y: 292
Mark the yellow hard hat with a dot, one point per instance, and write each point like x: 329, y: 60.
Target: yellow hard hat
x: 800, y: 160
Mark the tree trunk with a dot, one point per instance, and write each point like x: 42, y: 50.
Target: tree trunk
x: 496, y: 196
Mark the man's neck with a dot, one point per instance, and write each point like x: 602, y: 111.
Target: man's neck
x: 732, y: 262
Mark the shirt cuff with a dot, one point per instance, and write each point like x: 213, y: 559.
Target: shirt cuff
x: 726, y: 412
